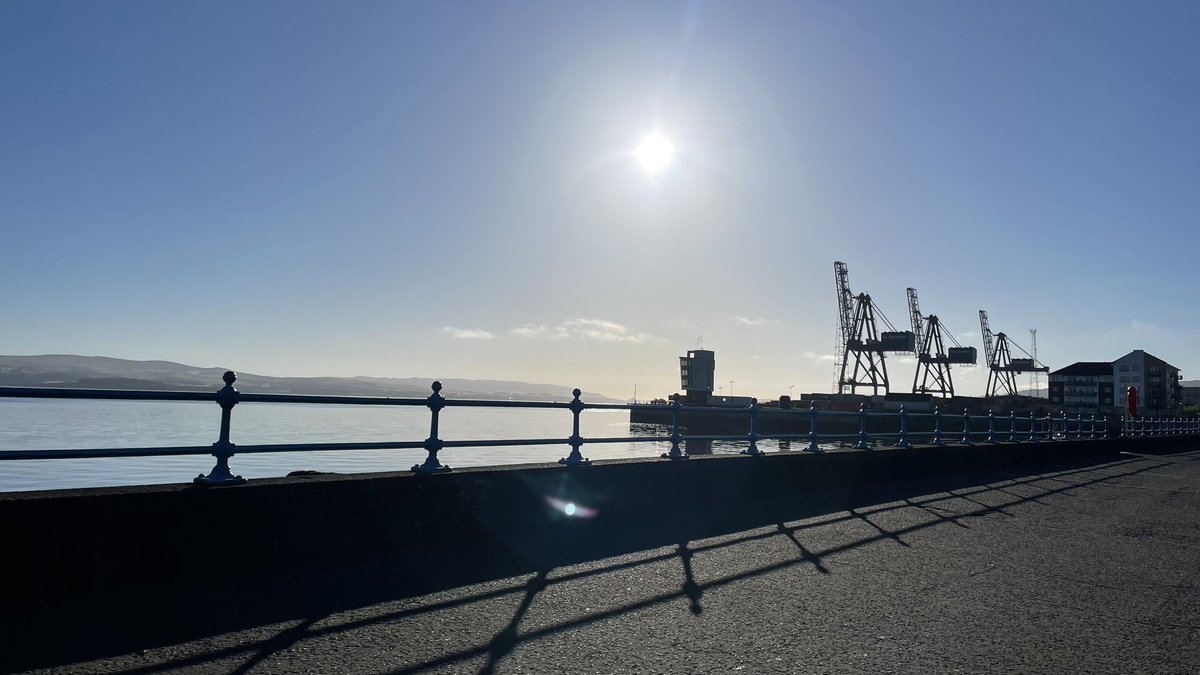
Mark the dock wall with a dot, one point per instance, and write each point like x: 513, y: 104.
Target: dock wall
x: 74, y: 541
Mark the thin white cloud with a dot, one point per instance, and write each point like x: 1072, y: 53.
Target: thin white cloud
x: 1140, y: 327
x: 467, y: 333
x: 538, y: 332
x: 599, y: 330
x: 819, y: 358
x: 606, y: 331
x: 741, y: 320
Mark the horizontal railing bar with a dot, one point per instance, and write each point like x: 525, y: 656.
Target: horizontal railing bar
x: 485, y: 443
x: 479, y: 403
x: 119, y: 394
x: 623, y: 406
x: 105, y: 453
x: 150, y: 395
x: 328, y: 400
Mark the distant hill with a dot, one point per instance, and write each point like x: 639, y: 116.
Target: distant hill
x: 101, y: 372
x: 1190, y: 383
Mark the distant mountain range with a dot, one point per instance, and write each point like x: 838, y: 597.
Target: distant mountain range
x: 101, y: 372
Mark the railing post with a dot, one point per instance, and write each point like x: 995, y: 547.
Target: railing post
x: 966, y: 437
x: 937, y: 426
x: 862, y: 444
x: 1012, y: 427
x: 1092, y: 430
x: 675, y: 453
x: 433, y: 444
x: 227, y: 397
x: 903, y: 442
x: 575, y: 458
x: 753, y: 435
x: 991, y: 437
x: 1033, y: 434
x: 812, y: 427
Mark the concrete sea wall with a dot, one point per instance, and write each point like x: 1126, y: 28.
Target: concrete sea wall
x: 73, y: 541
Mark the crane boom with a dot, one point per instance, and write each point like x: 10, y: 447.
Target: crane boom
x: 845, y: 298
x: 986, y: 330
x: 914, y: 315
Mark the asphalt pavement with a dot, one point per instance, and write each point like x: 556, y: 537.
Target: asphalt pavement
x: 1085, y: 567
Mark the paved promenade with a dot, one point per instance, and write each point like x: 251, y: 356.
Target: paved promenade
x: 1087, y: 567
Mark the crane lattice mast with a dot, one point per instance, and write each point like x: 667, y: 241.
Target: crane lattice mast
x: 858, y: 337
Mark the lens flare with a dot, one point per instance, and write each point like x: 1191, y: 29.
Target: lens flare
x: 570, y: 509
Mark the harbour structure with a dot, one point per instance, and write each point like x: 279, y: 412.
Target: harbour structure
x: 1099, y: 386
x: 697, y: 370
x: 933, y: 360
x: 859, y: 339
x: 1002, y: 378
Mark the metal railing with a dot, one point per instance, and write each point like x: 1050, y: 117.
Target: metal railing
x: 935, y: 428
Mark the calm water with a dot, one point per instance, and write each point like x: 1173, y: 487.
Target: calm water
x: 27, y: 424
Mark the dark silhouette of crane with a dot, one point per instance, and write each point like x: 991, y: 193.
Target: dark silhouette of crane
x: 1003, y: 368
x: 933, y: 360
x: 859, y: 339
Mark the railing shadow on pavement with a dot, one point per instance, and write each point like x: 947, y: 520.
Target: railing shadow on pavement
x: 311, y: 601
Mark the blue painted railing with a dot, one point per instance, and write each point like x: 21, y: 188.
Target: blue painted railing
x: 944, y: 428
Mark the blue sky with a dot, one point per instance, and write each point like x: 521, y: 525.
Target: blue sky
x: 448, y: 190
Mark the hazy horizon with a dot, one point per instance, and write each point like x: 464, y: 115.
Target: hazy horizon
x: 428, y: 189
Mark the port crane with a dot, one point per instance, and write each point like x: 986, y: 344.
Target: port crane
x: 859, y: 339
x: 1003, y: 367
x: 933, y: 360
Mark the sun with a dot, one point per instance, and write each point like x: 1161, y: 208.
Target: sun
x: 654, y: 153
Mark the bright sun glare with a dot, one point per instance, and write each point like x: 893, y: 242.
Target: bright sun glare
x: 654, y: 153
